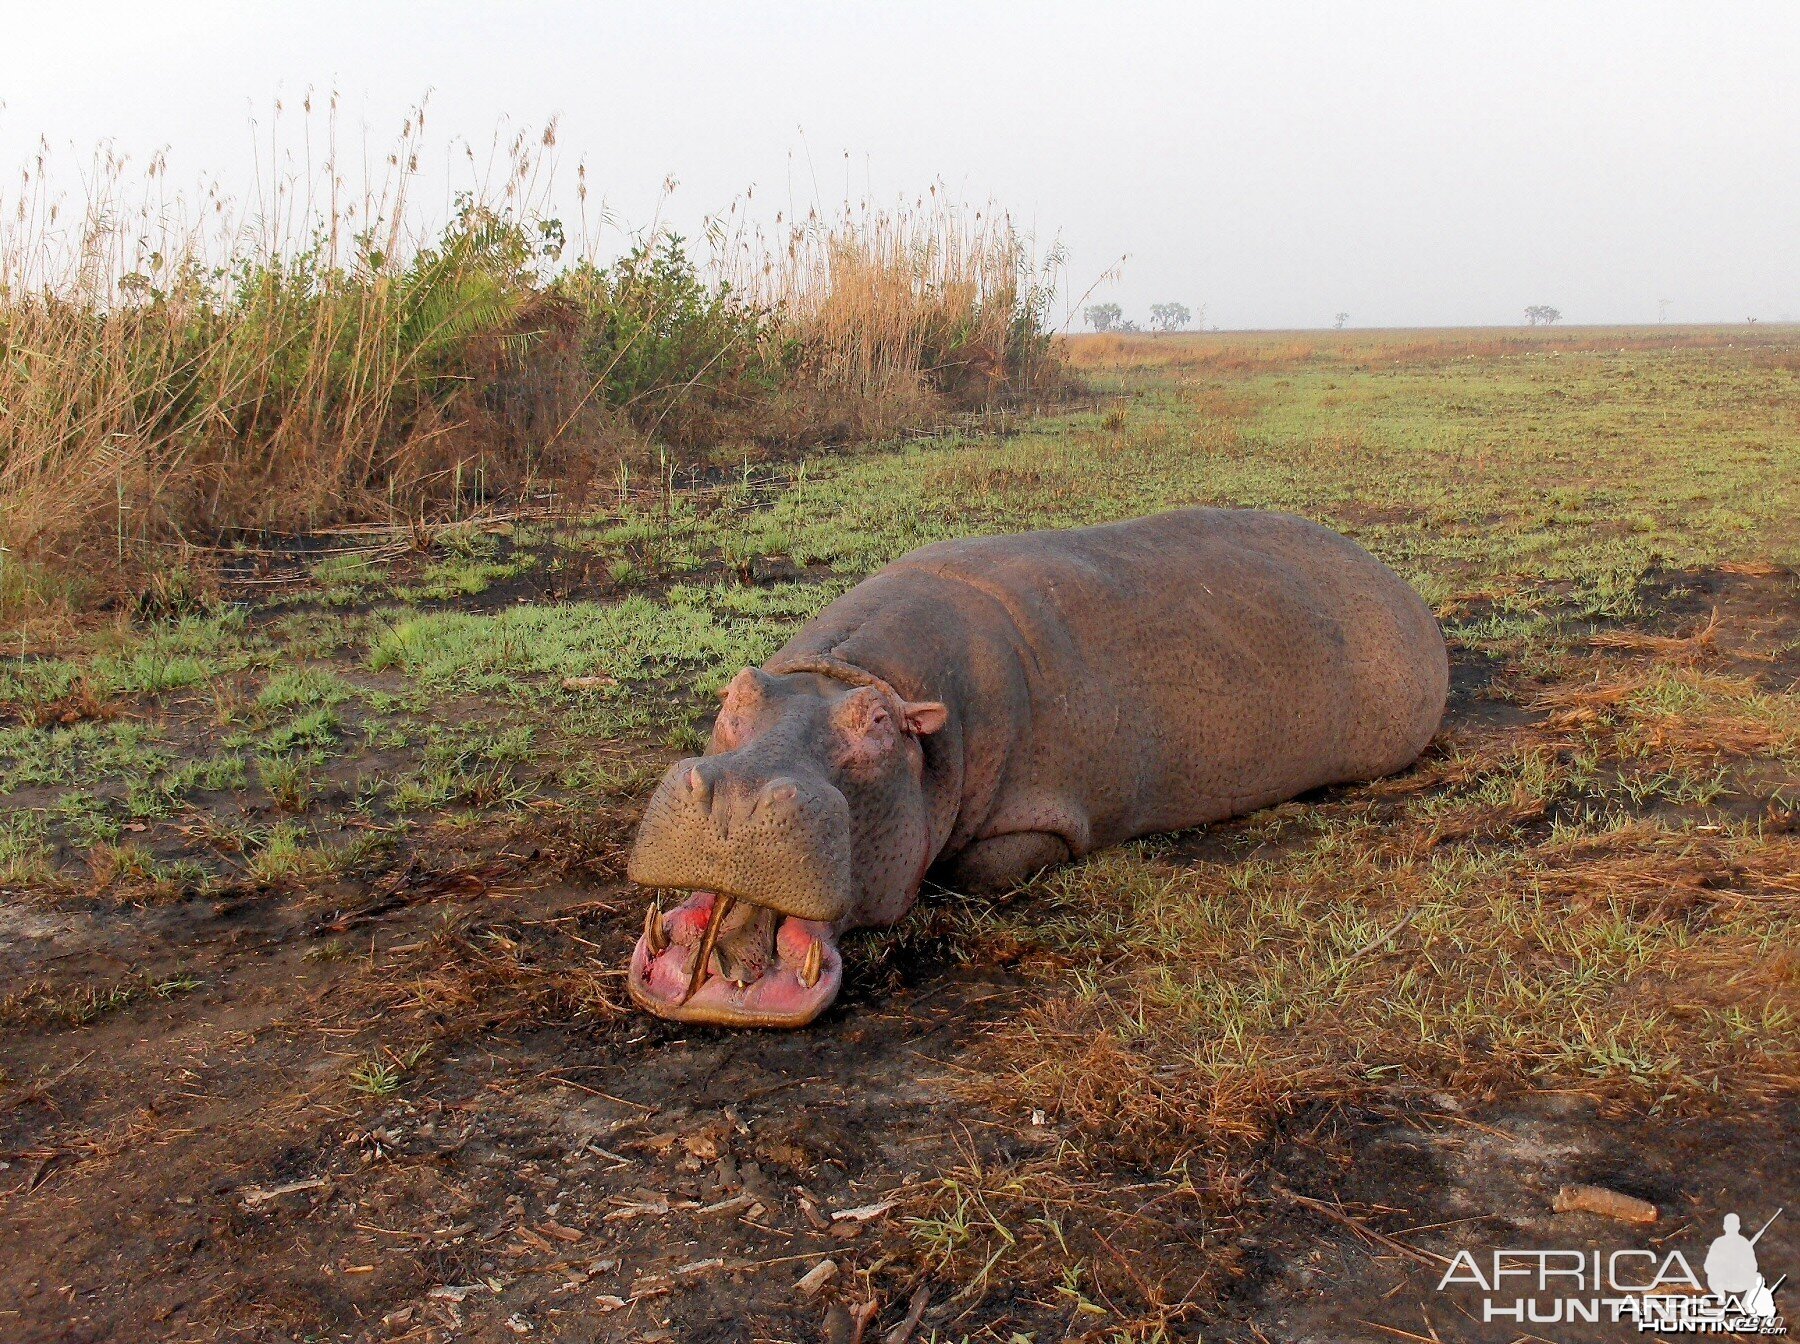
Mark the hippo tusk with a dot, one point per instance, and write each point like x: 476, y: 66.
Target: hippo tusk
x: 814, y: 963
x: 697, y: 976
x: 656, y: 937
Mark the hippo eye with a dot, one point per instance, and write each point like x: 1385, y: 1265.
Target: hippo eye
x: 866, y: 730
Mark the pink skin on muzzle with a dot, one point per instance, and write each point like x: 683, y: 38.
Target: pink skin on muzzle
x: 777, y: 997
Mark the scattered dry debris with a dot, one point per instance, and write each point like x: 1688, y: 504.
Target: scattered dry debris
x: 598, y: 682
x: 915, y: 1312
x: 256, y: 1197
x: 1606, y: 1203
x: 863, y: 1212
x: 817, y: 1277
x: 657, y: 1205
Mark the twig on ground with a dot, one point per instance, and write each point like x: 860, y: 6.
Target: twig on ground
x: 1361, y: 1229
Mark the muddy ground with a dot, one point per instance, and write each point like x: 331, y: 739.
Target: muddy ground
x: 524, y: 1157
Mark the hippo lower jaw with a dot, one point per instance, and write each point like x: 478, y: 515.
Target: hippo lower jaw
x: 775, y: 972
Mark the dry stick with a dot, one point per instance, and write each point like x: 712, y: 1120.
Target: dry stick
x: 1377, y: 941
x: 38, y: 1086
x: 915, y: 1312
x: 1362, y: 1229
x: 1398, y: 1333
x: 1153, y: 1299
x: 715, y: 917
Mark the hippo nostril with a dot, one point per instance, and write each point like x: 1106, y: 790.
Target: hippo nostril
x: 698, y: 789
x: 782, y: 791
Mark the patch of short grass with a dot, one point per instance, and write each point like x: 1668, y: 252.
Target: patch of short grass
x: 311, y: 730
x: 151, y: 671
x: 133, y: 871
x: 30, y: 682
x: 699, y: 633
x: 24, y: 852
x: 346, y: 577
x: 286, y: 854
x: 291, y: 781
x: 460, y: 576
x: 83, y: 753
x: 381, y: 1075
x: 36, y: 1004
x: 86, y: 819
x: 303, y: 688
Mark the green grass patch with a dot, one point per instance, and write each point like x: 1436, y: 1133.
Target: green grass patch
x: 314, y: 730
x: 304, y: 688
x: 698, y: 634
x: 24, y: 853
x: 84, y: 753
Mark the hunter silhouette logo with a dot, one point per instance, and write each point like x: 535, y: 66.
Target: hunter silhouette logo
x: 1655, y: 1290
x: 1731, y: 1271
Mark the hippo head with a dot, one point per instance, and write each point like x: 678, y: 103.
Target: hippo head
x: 806, y: 816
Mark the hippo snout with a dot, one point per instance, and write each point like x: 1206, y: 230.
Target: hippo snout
x: 780, y: 841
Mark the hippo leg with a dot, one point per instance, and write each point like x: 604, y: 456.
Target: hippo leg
x: 1004, y: 861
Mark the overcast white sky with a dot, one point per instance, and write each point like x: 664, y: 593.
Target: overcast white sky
x: 1411, y: 164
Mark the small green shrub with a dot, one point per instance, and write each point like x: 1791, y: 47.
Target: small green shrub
x: 667, y: 348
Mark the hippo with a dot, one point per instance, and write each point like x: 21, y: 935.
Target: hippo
x: 984, y: 708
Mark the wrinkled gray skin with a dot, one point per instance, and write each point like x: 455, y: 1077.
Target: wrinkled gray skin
x: 986, y: 707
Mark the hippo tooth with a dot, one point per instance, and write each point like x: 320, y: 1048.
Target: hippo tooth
x: 810, y: 968
x: 656, y: 938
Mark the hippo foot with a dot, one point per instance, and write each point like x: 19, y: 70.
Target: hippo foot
x: 761, y: 969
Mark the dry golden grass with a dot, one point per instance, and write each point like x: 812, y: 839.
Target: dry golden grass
x: 178, y: 372
x: 174, y: 370
x: 897, y: 302
x: 490, y: 978
x: 1675, y: 710
x: 1232, y: 352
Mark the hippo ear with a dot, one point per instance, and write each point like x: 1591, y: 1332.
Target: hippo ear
x: 737, y: 716
x: 924, y: 717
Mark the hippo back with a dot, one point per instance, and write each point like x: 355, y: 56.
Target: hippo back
x: 1149, y: 675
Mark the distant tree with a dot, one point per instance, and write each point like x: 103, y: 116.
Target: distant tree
x: 1338, y: 321
x: 1170, y: 316
x: 1541, y: 312
x: 1128, y: 327
x: 1103, y: 316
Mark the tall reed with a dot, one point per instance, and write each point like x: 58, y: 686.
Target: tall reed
x: 934, y: 289
x: 176, y: 368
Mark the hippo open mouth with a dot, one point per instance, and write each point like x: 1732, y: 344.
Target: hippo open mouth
x: 729, y: 962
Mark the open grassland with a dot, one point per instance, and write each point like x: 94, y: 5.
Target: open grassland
x: 320, y: 878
